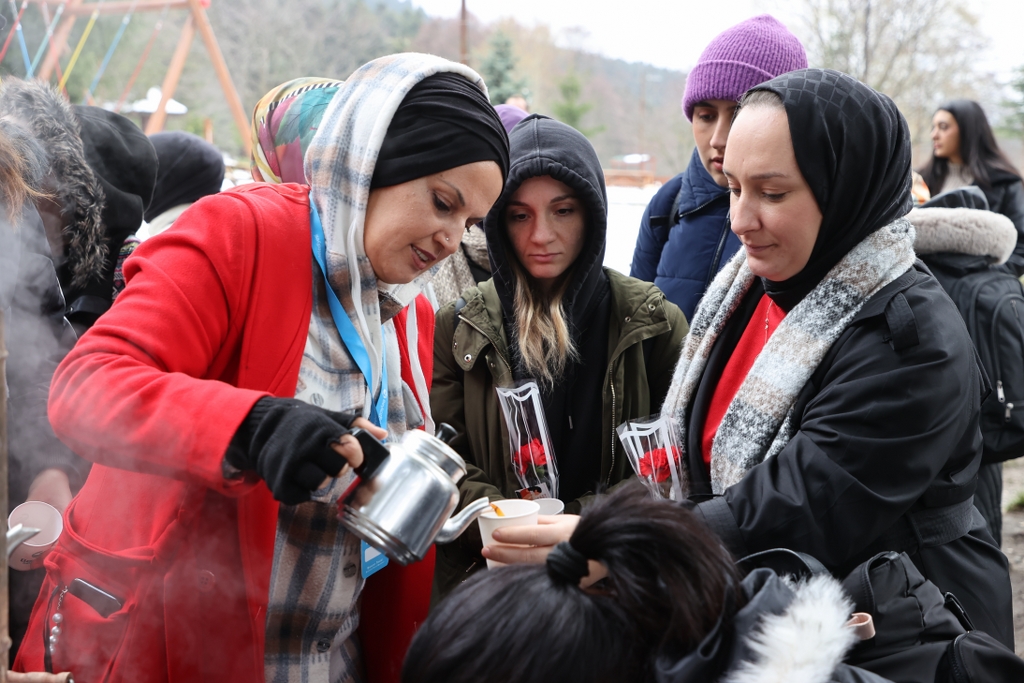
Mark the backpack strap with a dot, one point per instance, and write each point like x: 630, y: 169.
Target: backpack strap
x: 784, y: 562
x: 902, y: 324
x: 663, y: 213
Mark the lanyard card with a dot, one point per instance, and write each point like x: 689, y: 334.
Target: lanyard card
x: 371, y: 560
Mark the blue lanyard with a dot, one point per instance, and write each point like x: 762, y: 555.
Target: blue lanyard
x: 349, y: 335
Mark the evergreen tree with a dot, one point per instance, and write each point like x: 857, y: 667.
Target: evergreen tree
x: 1014, y: 123
x: 499, y: 70
x: 570, y: 110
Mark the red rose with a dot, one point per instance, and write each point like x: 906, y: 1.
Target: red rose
x: 531, y: 454
x: 654, y: 463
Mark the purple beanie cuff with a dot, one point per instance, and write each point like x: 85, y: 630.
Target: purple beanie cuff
x: 720, y: 80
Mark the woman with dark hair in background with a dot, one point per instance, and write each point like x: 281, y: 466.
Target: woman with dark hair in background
x: 965, y: 152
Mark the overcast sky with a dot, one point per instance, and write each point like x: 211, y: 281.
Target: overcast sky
x: 672, y: 34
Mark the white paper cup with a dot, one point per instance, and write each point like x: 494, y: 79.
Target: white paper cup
x: 550, y: 506
x: 38, y: 515
x: 517, y: 513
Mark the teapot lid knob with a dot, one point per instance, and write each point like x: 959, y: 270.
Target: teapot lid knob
x: 445, y: 432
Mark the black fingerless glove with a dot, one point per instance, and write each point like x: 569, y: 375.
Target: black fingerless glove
x: 288, y: 443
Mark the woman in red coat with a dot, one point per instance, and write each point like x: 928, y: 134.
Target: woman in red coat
x: 249, y: 338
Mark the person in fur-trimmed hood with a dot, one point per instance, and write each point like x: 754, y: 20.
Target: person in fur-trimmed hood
x: 101, y: 178
x: 642, y: 592
x: 956, y: 236
x: 828, y: 397
x: 72, y: 213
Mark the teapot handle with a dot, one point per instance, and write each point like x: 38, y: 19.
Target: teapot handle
x: 374, y: 453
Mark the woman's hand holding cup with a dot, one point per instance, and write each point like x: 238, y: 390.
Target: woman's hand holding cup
x: 532, y: 544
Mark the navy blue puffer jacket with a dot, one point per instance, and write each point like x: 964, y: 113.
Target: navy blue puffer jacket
x: 681, y: 253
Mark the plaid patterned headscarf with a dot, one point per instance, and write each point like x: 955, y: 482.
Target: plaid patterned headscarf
x: 339, y: 167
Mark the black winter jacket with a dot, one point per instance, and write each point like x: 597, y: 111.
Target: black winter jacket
x: 37, y: 337
x: 1006, y: 196
x: 851, y: 483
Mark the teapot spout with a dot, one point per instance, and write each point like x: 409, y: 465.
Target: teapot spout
x: 454, y: 527
x: 17, y: 535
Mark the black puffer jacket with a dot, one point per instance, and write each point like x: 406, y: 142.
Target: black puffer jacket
x: 1006, y: 196
x: 852, y: 482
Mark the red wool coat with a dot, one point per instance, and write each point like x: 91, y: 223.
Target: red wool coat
x: 215, y: 316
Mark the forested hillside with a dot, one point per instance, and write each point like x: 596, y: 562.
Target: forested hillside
x: 624, y: 107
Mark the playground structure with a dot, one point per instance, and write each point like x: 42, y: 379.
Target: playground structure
x: 60, y: 25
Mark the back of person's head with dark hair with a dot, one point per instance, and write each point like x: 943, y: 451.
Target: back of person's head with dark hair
x: 190, y: 168
x: 979, y: 150
x: 667, y: 585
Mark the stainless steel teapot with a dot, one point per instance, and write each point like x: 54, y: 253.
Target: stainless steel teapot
x: 406, y: 495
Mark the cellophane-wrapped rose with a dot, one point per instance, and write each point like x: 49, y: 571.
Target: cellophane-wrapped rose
x: 653, y: 450
x: 529, y: 442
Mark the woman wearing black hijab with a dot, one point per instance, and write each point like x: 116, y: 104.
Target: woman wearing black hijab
x: 828, y: 392
x: 216, y: 395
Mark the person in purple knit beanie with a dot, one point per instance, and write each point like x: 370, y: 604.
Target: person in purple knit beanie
x: 684, y: 236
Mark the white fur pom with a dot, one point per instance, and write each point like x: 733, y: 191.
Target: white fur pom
x: 804, y: 644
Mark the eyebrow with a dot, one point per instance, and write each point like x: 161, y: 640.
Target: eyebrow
x: 559, y: 198
x: 768, y: 175
x: 462, y: 200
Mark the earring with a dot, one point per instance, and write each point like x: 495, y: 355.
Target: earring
x: 447, y: 238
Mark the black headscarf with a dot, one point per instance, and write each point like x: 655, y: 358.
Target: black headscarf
x: 190, y: 169
x: 124, y: 161
x: 853, y: 147
x: 444, y: 122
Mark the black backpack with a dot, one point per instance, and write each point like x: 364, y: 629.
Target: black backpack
x: 992, y: 305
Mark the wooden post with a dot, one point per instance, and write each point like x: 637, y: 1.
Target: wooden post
x: 221, y: 67
x: 59, y: 42
x: 463, y: 46
x: 156, y: 121
x: 5, y: 638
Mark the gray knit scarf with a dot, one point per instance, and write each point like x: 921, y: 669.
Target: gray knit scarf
x: 757, y: 424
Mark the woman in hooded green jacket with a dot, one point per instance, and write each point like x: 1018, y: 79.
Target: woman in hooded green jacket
x: 601, y: 346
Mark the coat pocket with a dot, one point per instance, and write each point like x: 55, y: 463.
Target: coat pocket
x: 87, y: 617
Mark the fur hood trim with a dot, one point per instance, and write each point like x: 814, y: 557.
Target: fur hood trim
x: 964, y: 231
x: 804, y: 644
x: 42, y: 109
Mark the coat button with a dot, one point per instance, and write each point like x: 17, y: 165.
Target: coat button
x: 206, y: 581
x: 627, y: 318
x: 455, y: 344
x: 323, y: 645
x: 468, y: 357
x: 650, y: 307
